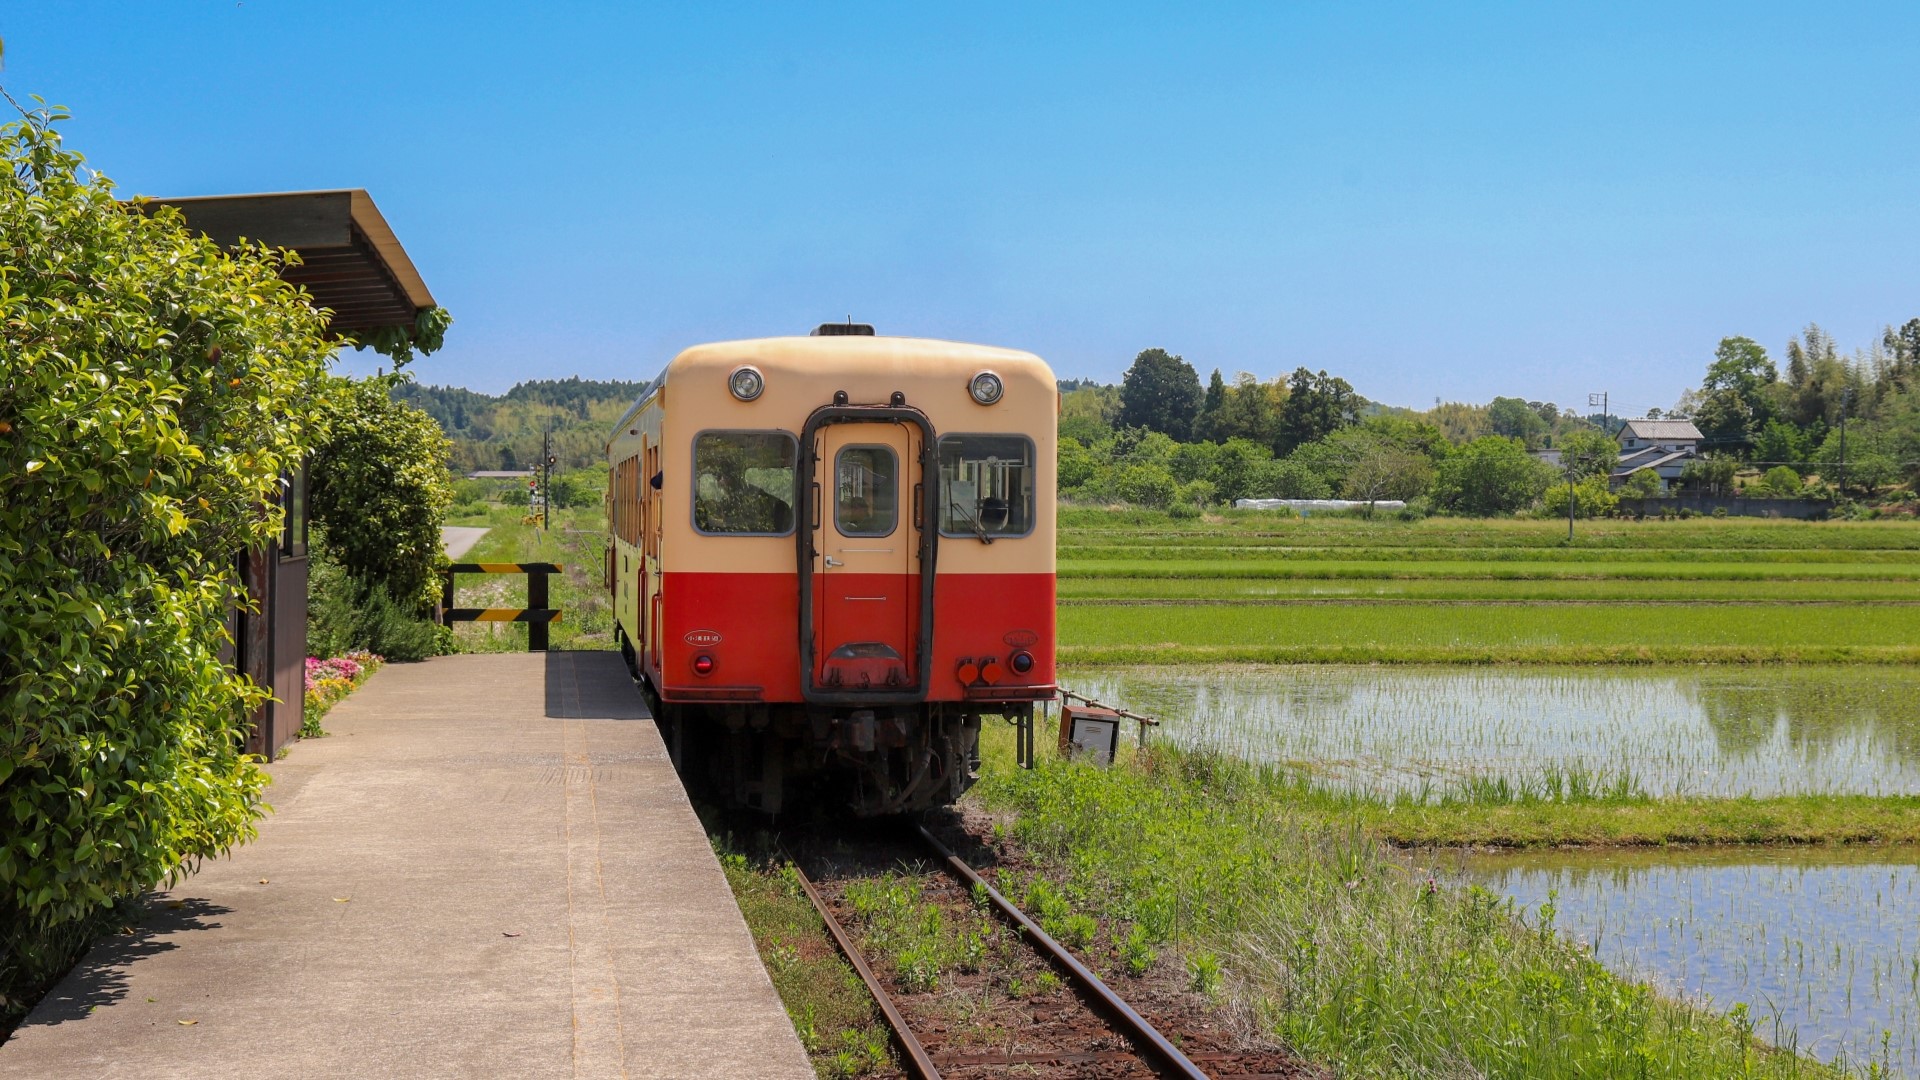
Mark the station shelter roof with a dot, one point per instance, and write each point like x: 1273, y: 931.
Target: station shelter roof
x: 350, y: 261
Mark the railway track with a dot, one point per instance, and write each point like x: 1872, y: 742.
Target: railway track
x: 1123, y: 1043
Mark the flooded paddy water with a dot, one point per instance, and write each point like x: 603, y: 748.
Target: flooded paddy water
x: 1690, y: 730
x: 1822, y: 945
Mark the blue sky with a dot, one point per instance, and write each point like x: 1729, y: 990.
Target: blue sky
x: 1434, y: 200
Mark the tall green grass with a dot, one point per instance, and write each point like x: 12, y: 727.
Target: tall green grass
x: 1352, y: 956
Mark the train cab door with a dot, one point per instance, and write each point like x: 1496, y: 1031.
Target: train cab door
x: 867, y: 589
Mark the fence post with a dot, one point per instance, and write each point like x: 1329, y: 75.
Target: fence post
x: 536, y: 600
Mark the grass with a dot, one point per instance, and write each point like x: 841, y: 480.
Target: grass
x: 577, y: 542
x: 828, y: 1004
x: 1393, y: 567
x: 1314, y: 926
x: 1188, y: 546
x: 1238, y: 526
x: 1575, y: 590
x: 1488, y: 627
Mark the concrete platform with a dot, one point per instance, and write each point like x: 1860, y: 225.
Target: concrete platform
x: 489, y: 869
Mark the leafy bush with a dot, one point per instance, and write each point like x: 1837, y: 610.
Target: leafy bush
x: 153, y: 389
x: 348, y: 614
x: 1491, y: 475
x: 1780, y: 482
x: 1590, y: 499
x: 381, y: 491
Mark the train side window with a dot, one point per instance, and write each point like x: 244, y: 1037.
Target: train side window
x: 866, y: 491
x: 743, y: 482
x: 986, y: 485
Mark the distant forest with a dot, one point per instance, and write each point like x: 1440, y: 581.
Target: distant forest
x: 503, y: 432
x: 1164, y: 436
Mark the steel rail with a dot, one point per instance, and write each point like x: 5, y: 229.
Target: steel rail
x: 1153, y: 1044
x: 917, y: 1058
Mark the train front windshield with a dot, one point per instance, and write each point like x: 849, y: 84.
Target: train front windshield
x: 986, y: 485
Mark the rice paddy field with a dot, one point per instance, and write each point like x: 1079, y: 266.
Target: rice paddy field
x: 1436, y: 681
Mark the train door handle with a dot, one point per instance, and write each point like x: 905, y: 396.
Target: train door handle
x: 832, y: 562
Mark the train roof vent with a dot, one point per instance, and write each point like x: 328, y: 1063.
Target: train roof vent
x: 843, y: 329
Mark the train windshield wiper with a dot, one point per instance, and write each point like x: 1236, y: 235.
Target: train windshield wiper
x: 979, y: 530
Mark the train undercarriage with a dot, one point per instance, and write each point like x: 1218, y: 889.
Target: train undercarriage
x: 866, y: 761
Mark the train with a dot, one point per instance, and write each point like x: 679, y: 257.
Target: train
x: 832, y: 560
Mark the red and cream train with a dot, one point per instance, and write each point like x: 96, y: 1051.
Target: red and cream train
x: 832, y: 556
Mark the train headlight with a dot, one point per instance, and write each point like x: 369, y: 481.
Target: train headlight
x: 1021, y: 663
x: 986, y: 388
x: 746, y: 383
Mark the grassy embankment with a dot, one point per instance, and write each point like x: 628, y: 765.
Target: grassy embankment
x: 1354, y: 956
x: 577, y: 542
x: 1145, y: 589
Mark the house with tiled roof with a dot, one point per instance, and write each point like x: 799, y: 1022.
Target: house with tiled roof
x: 1664, y: 446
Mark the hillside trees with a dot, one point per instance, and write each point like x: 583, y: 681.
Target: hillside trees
x: 1317, y: 405
x: 1160, y: 392
x: 153, y: 390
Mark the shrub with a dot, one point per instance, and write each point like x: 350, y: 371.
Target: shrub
x: 1780, y: 482
x: 347, y: 614
x: 1590, y: 499
x: 153, y: 389
x: 381, y: 491
x: 1491, y: 475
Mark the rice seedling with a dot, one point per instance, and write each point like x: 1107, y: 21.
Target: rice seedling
x: 1566, y: 590
x: 1817, y: 947
x: 1675, y: 631
x: 1552, y: 734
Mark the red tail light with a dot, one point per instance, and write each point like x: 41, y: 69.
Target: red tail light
x: 703, y: 665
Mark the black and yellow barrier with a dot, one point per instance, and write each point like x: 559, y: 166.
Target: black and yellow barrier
x: 537, y: 615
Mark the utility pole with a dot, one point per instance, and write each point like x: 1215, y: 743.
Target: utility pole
x: 1571, y: 493
x: 546, y: 480
x: 1846, y: 402
x: 1600, y: 399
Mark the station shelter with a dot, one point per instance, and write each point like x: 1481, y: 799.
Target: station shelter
x: 352, y: 265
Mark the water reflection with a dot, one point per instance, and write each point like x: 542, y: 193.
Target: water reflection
x: 1821, y: 944
x: 1705, y: 730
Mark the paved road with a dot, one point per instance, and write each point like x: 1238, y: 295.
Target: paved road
x: 489, y: 869
x: 459, y: 539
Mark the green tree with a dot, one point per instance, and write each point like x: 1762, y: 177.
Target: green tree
x: 1589, y: 453
x: 1735, y: 399
x: 1642, y: 484
x: 1490, y: 475
x: 1710, y: 474
x: 1251, y: 411
x: 1287, y: 479
x: 1780, y: 442
x: 1207, y: 426
x: 1317, y: 405
x: 1088, y: 413
x: 153, y: 390
x: 1160, y: 392
x: 380, y: 489
x: 1516, y: 419
x: 1077, y: 464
